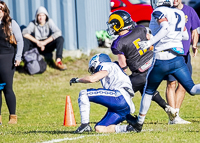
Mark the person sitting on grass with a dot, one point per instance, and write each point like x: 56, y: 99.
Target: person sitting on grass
x: 45, y: 35
x: 116, y: 95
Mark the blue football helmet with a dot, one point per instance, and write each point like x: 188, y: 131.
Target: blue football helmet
x: 96, y: 60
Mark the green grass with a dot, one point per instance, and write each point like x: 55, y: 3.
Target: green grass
x: 41, y: 105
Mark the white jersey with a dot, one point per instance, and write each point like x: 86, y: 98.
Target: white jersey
x: 176, y: 20
x: 116, y: 80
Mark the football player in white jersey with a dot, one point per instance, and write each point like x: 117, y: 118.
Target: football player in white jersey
x: 168, y: 27
x: 116, y: 95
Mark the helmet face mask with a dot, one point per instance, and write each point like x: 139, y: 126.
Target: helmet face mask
x: 96, y: 60
x: 110, y: 29
x: 157, y: 3
x: 118, y: 21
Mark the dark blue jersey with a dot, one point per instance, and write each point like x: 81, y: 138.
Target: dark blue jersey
x: 128, y: 46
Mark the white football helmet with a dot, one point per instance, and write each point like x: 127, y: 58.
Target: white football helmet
x: 156, y: 3
x: 96, y: 60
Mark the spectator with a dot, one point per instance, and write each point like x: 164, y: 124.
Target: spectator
x: 131, y: 55
x: 175, y: 96
x: 45, y: 35
x: 10, y: 57
x: 116, y: 95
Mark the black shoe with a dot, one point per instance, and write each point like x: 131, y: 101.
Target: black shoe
x: 83, y: 128
x: 130, y: 128
x: 132, y: 120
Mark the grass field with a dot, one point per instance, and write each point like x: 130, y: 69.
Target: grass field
x: 41, y: 105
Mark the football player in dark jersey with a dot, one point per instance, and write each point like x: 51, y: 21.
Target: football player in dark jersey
x: 131, y: 56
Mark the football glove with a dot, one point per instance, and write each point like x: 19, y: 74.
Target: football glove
x: 144, y: 44
x: 73, y: 80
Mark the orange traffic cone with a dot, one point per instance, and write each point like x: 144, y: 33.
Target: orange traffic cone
x: 69, y: 119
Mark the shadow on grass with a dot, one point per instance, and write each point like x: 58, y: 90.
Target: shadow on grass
x: 55, y: 132
x: 79, y: 123
x: 48, y: 132
x: 21, y: 69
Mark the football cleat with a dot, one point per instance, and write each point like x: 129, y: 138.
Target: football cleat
x: 83, y: 128
x: 178, y: 120
x: 132, y: 120
x: 130, y: 128
x: 171, y: 112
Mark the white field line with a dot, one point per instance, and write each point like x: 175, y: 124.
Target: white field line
x: 69, y: 139
x: 147, y: 130
x: 76, y: 138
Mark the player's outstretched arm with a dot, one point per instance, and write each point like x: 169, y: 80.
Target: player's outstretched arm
x: 90, y: 79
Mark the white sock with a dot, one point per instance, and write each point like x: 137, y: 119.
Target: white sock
x: 120, y: 128
x: 141, y: 119
x: 145, y: 103
x: 84, y: 106
x: 177, y: 110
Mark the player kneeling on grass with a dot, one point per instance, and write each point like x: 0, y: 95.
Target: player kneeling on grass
x: 116, y: 95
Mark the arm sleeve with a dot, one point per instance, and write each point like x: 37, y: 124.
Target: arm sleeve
x: 18, y: 36
x: 164, y: 30
x: 56, y: 32
x: 29, y: 29
x: 164, y: 26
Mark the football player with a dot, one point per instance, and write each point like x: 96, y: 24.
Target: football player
x: 168, y: 27
x: 131, y: 55
x: 116, y: 95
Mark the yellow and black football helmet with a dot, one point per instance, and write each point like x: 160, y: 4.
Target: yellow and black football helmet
x: 118, y: 21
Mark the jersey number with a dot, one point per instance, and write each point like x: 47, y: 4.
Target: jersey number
x: 140, y: 51
x: 178, y: 21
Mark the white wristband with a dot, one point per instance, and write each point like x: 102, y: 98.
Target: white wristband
x: 77, y: 80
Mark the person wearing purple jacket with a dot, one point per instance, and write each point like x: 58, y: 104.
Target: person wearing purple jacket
x: 175, y: 95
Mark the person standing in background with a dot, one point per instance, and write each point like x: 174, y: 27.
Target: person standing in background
x: 10, y: 57
x: 175, y: 95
